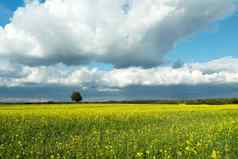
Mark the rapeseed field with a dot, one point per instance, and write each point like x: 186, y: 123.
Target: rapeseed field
x: 118, y: 131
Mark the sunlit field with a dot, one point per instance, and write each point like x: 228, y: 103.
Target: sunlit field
x: 118, y: 131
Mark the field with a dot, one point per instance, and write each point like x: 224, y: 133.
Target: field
x: 118, y: 131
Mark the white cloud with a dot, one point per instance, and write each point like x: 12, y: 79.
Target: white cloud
x: 220, y: 71
x: 43, y: 39
x: 121, y: 32
x: 226, y: 64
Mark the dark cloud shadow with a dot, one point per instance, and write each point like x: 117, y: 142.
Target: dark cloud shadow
x: 62, y: 93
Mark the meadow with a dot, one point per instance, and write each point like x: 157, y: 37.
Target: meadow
x: 118, y: 131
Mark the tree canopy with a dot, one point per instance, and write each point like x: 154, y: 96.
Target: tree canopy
x: 76, y: 96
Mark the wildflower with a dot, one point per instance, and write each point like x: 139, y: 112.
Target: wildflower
x: 139, y: 154
x: 214, y: 154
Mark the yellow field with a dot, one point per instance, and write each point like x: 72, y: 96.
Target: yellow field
x: 118, y: 131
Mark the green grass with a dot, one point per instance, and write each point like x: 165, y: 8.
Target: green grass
x: 118, y: 131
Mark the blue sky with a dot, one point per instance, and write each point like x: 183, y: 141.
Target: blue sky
x: 132, y: 56
x: 219, y: 40
x: 11, y: 6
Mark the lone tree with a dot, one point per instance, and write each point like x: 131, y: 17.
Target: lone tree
x: 76, y: 96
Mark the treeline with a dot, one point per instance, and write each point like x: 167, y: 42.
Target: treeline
x: 214, y: 101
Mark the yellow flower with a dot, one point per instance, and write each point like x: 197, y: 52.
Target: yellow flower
x: 52, y: 156
x: 214, y: 154
x: 139, y: 154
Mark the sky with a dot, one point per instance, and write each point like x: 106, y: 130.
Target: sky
x: 118, y: 50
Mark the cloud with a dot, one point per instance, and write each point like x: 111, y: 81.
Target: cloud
x: 226, y: 64
x: 220, y: 71
x: 123, y: 33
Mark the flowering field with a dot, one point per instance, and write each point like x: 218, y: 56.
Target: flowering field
x: 118, y: 131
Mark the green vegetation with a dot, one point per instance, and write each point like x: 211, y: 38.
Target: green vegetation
x: 76, y: 96
x: 118, y: 131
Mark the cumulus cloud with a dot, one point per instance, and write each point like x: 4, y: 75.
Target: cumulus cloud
x: 220, y: 71
x: 121, y: 32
